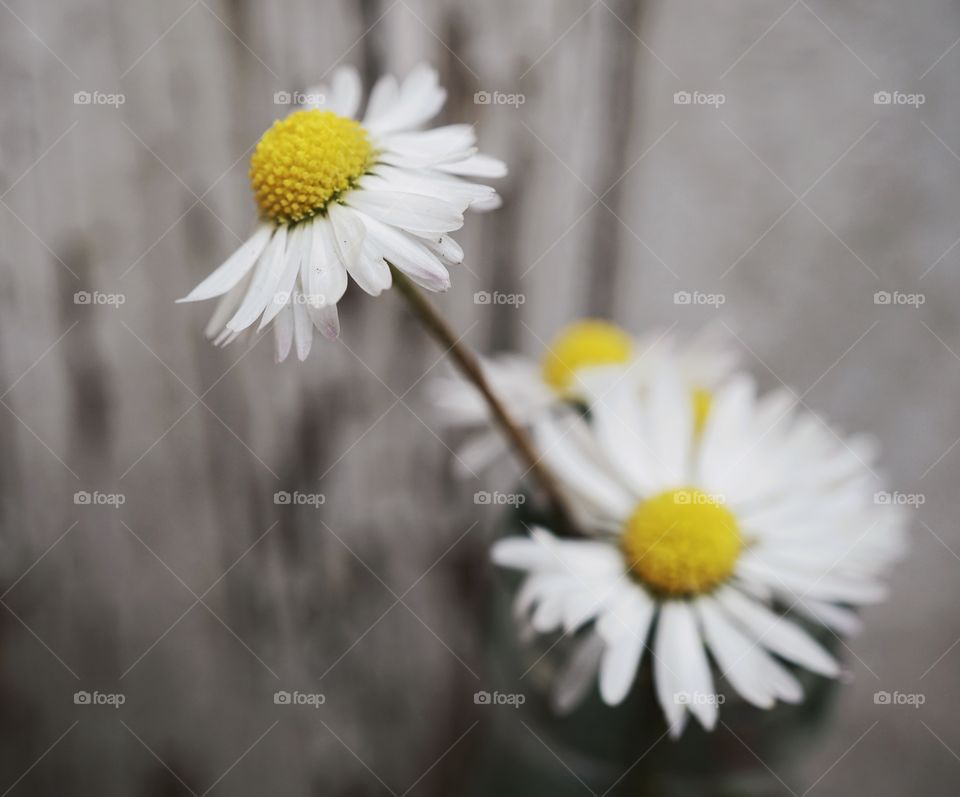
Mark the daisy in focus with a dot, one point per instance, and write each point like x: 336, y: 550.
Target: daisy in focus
x: 698, y: 538
x: 576, y: 362
x: 340, y: 197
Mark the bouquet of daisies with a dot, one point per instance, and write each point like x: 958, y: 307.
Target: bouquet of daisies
x: 696, y: 526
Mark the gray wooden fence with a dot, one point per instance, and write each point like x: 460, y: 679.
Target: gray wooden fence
x: 199, y: 597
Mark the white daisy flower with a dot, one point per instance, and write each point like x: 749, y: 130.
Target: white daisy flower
x: 342, y: 197
x: 698, y: 538
x: 581, y: 355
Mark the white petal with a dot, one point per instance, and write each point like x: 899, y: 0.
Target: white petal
x: 476, y: 166
x: 284, y: 288
x: 490, y: 203
x: 457, y: 192
x: 430, y: 148
x: 840, y: 619
x: 348, y: 234
x: 625, y: 625
x: 283, y: 334
x: 670, y: 428
x: 479, y: 453
x: 264, y: 284
x: 226, y: 307
x: 736, y: 655
x: 445, y: 248
x: 520, y: 553
x: 577, y: 675
x: 302, y: 326
x: 235, y: 268
x: 619, y: 422
x: 326, y: 319
x: 384, y: 95
x: 827, y: 582
x: 681, y: 668
x: 346, y: 88
x: 408, y: 255
x: 416, y: 101
x: 424, y: 215
x: 371, y: 271
x: 562, y: 454
x: 778, y: 634
x: 326, y: 277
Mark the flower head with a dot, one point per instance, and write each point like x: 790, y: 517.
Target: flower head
x: 699, y: 536
x: 340, y: 197
x: 583, y: 360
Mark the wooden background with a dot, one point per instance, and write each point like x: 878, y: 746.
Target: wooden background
x: 199, y: 597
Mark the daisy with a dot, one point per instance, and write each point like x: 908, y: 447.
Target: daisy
x: 341, y: 197
x: 698, y: 538
x: 582, y: 355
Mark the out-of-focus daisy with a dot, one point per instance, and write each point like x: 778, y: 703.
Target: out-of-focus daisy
x: 341, y: 197
x: 576, y: 362
x: 698, y: 537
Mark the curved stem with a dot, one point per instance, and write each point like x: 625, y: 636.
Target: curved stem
x: 469, y: 366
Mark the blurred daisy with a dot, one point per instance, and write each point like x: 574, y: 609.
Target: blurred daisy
x: 582, y: 358
x: 341, y: 197
x: 697, y: 535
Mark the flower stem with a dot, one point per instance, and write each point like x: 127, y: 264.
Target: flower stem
x: 469, y: 366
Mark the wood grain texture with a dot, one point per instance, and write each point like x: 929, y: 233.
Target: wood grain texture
x: 199, y: 597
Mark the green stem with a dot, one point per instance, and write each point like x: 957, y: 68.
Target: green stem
x: 469, y: 366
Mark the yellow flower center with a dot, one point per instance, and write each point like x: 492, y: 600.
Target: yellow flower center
x: 584, y: 344
x: 681, y: 542
x: 305, y: 161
